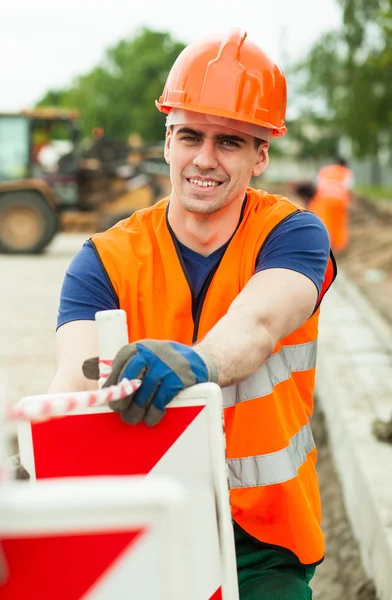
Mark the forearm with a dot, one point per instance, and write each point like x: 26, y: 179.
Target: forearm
x: 75, y: 342
x: 239, y: 343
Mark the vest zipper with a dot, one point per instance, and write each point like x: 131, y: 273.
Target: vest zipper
x: 182, y: 263
x: 197, y: 303
x: 200, y: 303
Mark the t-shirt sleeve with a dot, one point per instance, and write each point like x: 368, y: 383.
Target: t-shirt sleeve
x: 299, y: 243
x: 86, y: 288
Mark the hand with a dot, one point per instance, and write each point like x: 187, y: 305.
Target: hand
x: 15, y: 467
x: 165, y: 369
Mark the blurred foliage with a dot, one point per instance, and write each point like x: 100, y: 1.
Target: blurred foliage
x: 315, y: 136
x: 119, y: 95
x: 348, y: 76
x: 374, y: 192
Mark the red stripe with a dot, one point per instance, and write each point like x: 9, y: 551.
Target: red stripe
x: 72, y: 403
x: 60, y: 567
x: 47, y: 407
x: 92, y: 399
x: 102, y: 444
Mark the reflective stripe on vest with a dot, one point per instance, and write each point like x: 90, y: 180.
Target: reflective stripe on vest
x: 275, y: 467
x: 277, y: 368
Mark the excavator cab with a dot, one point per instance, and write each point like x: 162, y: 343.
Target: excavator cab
x: 32, y: 142
x: 34, y: 146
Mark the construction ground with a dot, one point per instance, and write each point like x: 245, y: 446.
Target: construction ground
x: 354, y: 390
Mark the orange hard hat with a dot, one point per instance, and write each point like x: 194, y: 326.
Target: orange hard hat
x: 228, y: 77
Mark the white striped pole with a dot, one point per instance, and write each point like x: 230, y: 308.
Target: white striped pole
x: 112, y: 336
x: 46, y: 406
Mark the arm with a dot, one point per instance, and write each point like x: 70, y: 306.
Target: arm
x: 274, y: 303
x: 75, y: 342
x: 279, y: 298
x: 85, y: 291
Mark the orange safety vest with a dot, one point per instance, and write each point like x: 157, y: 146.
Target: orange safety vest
x: 331, y: 202
x: 333, y: 182
x: 270, y: 449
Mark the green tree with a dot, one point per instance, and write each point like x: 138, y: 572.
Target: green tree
x: 348, y: 75
x: 119, y: 95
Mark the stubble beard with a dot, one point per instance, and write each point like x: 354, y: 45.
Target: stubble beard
x: 204, y: 206
x: 201, y: 207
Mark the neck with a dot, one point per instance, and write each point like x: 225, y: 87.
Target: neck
x: 200, y: 232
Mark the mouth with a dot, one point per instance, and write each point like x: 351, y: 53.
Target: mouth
x: 204, y: 185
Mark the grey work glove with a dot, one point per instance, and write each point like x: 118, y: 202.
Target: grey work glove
x: 165, y: 369
x: 15, y: 467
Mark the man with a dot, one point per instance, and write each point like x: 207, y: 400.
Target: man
x: 233, y: 277
x: 332, y: 200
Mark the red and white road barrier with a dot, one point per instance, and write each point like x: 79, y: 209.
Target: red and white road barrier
x: 188, y: 445
x: 94, y: 539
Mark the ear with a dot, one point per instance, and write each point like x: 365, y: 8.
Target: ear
x: 167, y: 144
x: 262, y: 159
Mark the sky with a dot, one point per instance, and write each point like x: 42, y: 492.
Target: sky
x: 45, y: 44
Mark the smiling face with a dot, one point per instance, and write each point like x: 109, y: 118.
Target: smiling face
x: 210, y: 166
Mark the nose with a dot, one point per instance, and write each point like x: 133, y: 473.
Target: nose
x: 206, y: 156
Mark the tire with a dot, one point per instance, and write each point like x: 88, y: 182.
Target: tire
x: 27, y: 222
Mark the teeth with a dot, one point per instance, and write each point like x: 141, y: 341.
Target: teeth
x: 201, y: 183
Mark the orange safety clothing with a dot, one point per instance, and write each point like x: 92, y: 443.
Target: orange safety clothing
x: 270, y: 449
x: 228, y: 77
x: 331, y: 203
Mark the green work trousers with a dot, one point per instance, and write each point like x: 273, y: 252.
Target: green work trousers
x: 267, y: 573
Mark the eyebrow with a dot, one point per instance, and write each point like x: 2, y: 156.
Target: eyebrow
x: 219, y: 136
x: 229, y: 136
x: 191, y: 131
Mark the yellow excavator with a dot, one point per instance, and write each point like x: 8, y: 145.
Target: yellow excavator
x: 51, y: 181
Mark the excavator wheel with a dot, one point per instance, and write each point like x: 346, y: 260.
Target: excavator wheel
x: 27, y: 222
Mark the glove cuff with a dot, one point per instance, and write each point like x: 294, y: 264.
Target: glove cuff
x: 213, y: 374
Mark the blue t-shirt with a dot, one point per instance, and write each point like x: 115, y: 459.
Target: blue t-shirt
x: 299, y: 243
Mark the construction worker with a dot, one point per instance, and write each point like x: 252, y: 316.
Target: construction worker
x: 223, y: 283
x: 332, y: 200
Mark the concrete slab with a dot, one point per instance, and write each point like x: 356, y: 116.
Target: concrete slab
x: 354, y: 386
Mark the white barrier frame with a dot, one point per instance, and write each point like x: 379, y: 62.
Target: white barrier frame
x: 107, y: 505
x: 210, y: 395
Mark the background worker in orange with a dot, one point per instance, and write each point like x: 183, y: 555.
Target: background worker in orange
x: 332, y: 200
x: 223, y: 283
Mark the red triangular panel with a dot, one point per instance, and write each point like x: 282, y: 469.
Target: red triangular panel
x: 102, y: 444
x: 60, y: 567
x: 217, y: 595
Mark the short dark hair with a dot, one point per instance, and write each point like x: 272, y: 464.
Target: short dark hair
x: 341, y: 161
x: 257, y: 142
